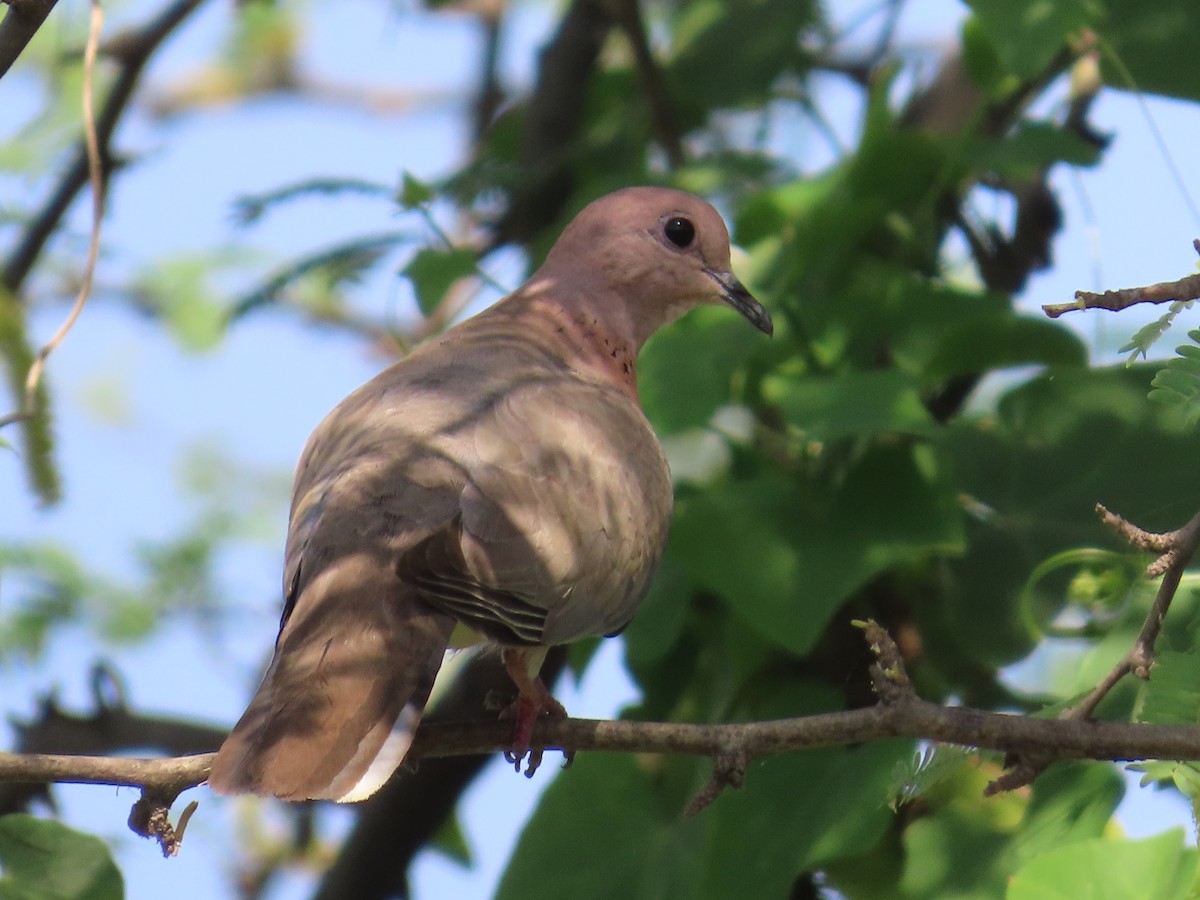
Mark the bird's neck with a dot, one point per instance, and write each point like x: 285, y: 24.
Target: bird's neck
x: 590, y: 336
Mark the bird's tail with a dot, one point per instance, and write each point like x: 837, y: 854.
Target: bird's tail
x: 336, y: 711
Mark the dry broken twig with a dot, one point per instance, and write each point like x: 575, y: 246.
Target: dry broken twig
x: 1186, y: 288
x: 96, y: 178
x: 1175, y: 550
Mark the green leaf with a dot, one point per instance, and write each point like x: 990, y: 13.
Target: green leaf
x: 962, y: 848
x: 626, y: 812
x: 1103, y: 869
x: 687, y: 371
x: 451, y: 841
x: 45, y: 860
x: 1032, y: 147
x: 249, y: 208
x: 986, y: 343
x: 341, y: 263
x: 1145, y: 47
x: 1034, y: 472
x: 797, y: 813
x: 784, y: 559
x: 1172, y: 695
x: 851, y: 403
x: 414, y: 193
x: 36, y: 435
x: 433, y: 271
x: 1028, y: 34
x: 704, y: 75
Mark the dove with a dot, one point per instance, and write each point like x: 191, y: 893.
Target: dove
x: 500, y: 483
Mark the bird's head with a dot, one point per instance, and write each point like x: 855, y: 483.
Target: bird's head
x: 648, y: 255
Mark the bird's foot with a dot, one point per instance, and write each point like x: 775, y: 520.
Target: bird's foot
x: 533, y: 702
x: 526, y: 710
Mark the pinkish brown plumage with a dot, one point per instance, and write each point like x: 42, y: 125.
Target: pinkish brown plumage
x: 502, y: 477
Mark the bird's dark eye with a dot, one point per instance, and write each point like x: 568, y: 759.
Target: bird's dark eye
x: 679, y: 231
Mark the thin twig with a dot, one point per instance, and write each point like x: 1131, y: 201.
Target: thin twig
x: 1176, y: 549
x: 664, y: 121
x: 28, y: 402
x: 1187, y: 288
x: 132, y: 52
x: 96, y: 178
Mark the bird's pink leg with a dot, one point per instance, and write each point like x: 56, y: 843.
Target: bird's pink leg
x: 533, y: 702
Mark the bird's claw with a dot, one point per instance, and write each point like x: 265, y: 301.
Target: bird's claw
x: 527, y: 709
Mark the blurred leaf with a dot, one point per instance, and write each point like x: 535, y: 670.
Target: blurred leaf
x: 45, y: 860
x: 55, y: 589
x: 1172, y: 695
x: 342, y: 263
x: 926, y: 768
x: 249, y: 208
x: 851, y: 403
x: 704, y: 75
x: 956, y: 850
x: 181, y: 292
x: 688, y: 370
x: 414, y: 192
x: 1149, y: 42
x: 624, y: 810
x: 1032, y: 147
x: 784, y: 560
x: 434, y: 271
x: 36, y: 436
x: 1107, y: 869
x: 1028, y: 34
x: 798, y: 812
x: 452, y: 842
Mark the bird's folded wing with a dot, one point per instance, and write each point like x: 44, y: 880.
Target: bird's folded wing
x: 436, y: 567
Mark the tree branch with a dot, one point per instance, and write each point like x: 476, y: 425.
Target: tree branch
x: 663, y: 119
x: 1186, y: 288
x: 1175, y: 549
x: 110, y: 728
x: 21, y: 22
x: 900, y: 713
x: 553, y: 120
x: 132, y: 51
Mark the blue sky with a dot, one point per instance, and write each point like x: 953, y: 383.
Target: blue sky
x: 257, y: 397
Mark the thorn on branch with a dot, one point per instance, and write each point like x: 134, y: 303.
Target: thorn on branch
x: 1174, y: 548
x: 889, y: 677
x: 1020, y: 772
x: 729, y: 771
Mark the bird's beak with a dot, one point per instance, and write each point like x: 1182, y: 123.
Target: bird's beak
x: 735, y: 294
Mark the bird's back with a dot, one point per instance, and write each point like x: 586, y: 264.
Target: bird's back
x: 554, y: 479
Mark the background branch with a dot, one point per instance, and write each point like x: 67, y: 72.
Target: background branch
x: 21, y: 22
x: 132, y: 51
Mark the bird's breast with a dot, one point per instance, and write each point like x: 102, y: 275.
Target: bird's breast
x: 568, y: 504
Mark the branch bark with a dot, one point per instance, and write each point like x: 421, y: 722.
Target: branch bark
x: 1186, y: 288
x: 899, y: 714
